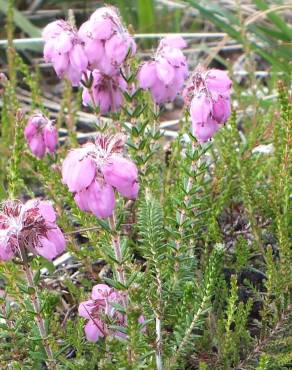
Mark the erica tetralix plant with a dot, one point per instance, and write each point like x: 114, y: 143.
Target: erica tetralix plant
x: 94, y: 170
x: 106, y: 92
x: 164, y: 76
x: 106, y: 41
x: 29, y: 227
x: 208, y: 96
x: 64, y: 49
x: 41, y: 135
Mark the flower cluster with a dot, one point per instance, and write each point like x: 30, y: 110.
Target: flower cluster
x: 41, y: 135
x: 106, y: 41
x: 106, y: 91
x: 95, y: 169
x: 100, y: 309
x: 30, y: 226
x: 164, y: 76
x: 99, y: 47
x: 64, y: 49
x: 208, y: 96
x: 102, y: 314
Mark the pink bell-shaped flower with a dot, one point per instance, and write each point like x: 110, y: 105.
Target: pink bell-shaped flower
x: 41, y: 135
x: 200, y: 109
x: 218, y: 81
x: 50, y: 138
x: 107, y: 92
x: 52, y: 244
x: 37, y: 145
x: 98, y: 199
x: 204, y: 131
x: 122, y: 174
x: 78, y: 169
x: 221, y: 109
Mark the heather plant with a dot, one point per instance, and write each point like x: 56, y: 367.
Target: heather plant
x: 169, y: 255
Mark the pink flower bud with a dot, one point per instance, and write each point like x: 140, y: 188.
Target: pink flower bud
x: 164, y: 71
x: 130, y: 191
x: 116, y: 49
x: 46, y: 210
x: 94, y: 50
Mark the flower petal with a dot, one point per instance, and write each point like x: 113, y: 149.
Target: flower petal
x: 85, y: 308
x: 78, y: 172
x: 47, y: 211
x: 92, y: 331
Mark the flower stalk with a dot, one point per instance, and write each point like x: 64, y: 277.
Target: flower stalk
x: 116, y: 243
x: 158, y: 352
x: 182, y: 216
x: 50, y: 362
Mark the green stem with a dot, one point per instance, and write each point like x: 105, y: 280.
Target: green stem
x: 51, y: 363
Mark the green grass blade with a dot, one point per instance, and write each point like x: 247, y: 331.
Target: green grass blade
x: 20, y: 20
x: 274, y: 18
x: 212, y: 17
x: 146, y: 18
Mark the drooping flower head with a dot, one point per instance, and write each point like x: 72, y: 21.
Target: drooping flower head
x: 30, y: 226
x: 64, y: 49
x: 107, y: 91
x: 101, y: 313
x: 41, y: 135
x: 165, y: 74
x: 106, y: 41
x: 94, y: 170
x: 208, y: 96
